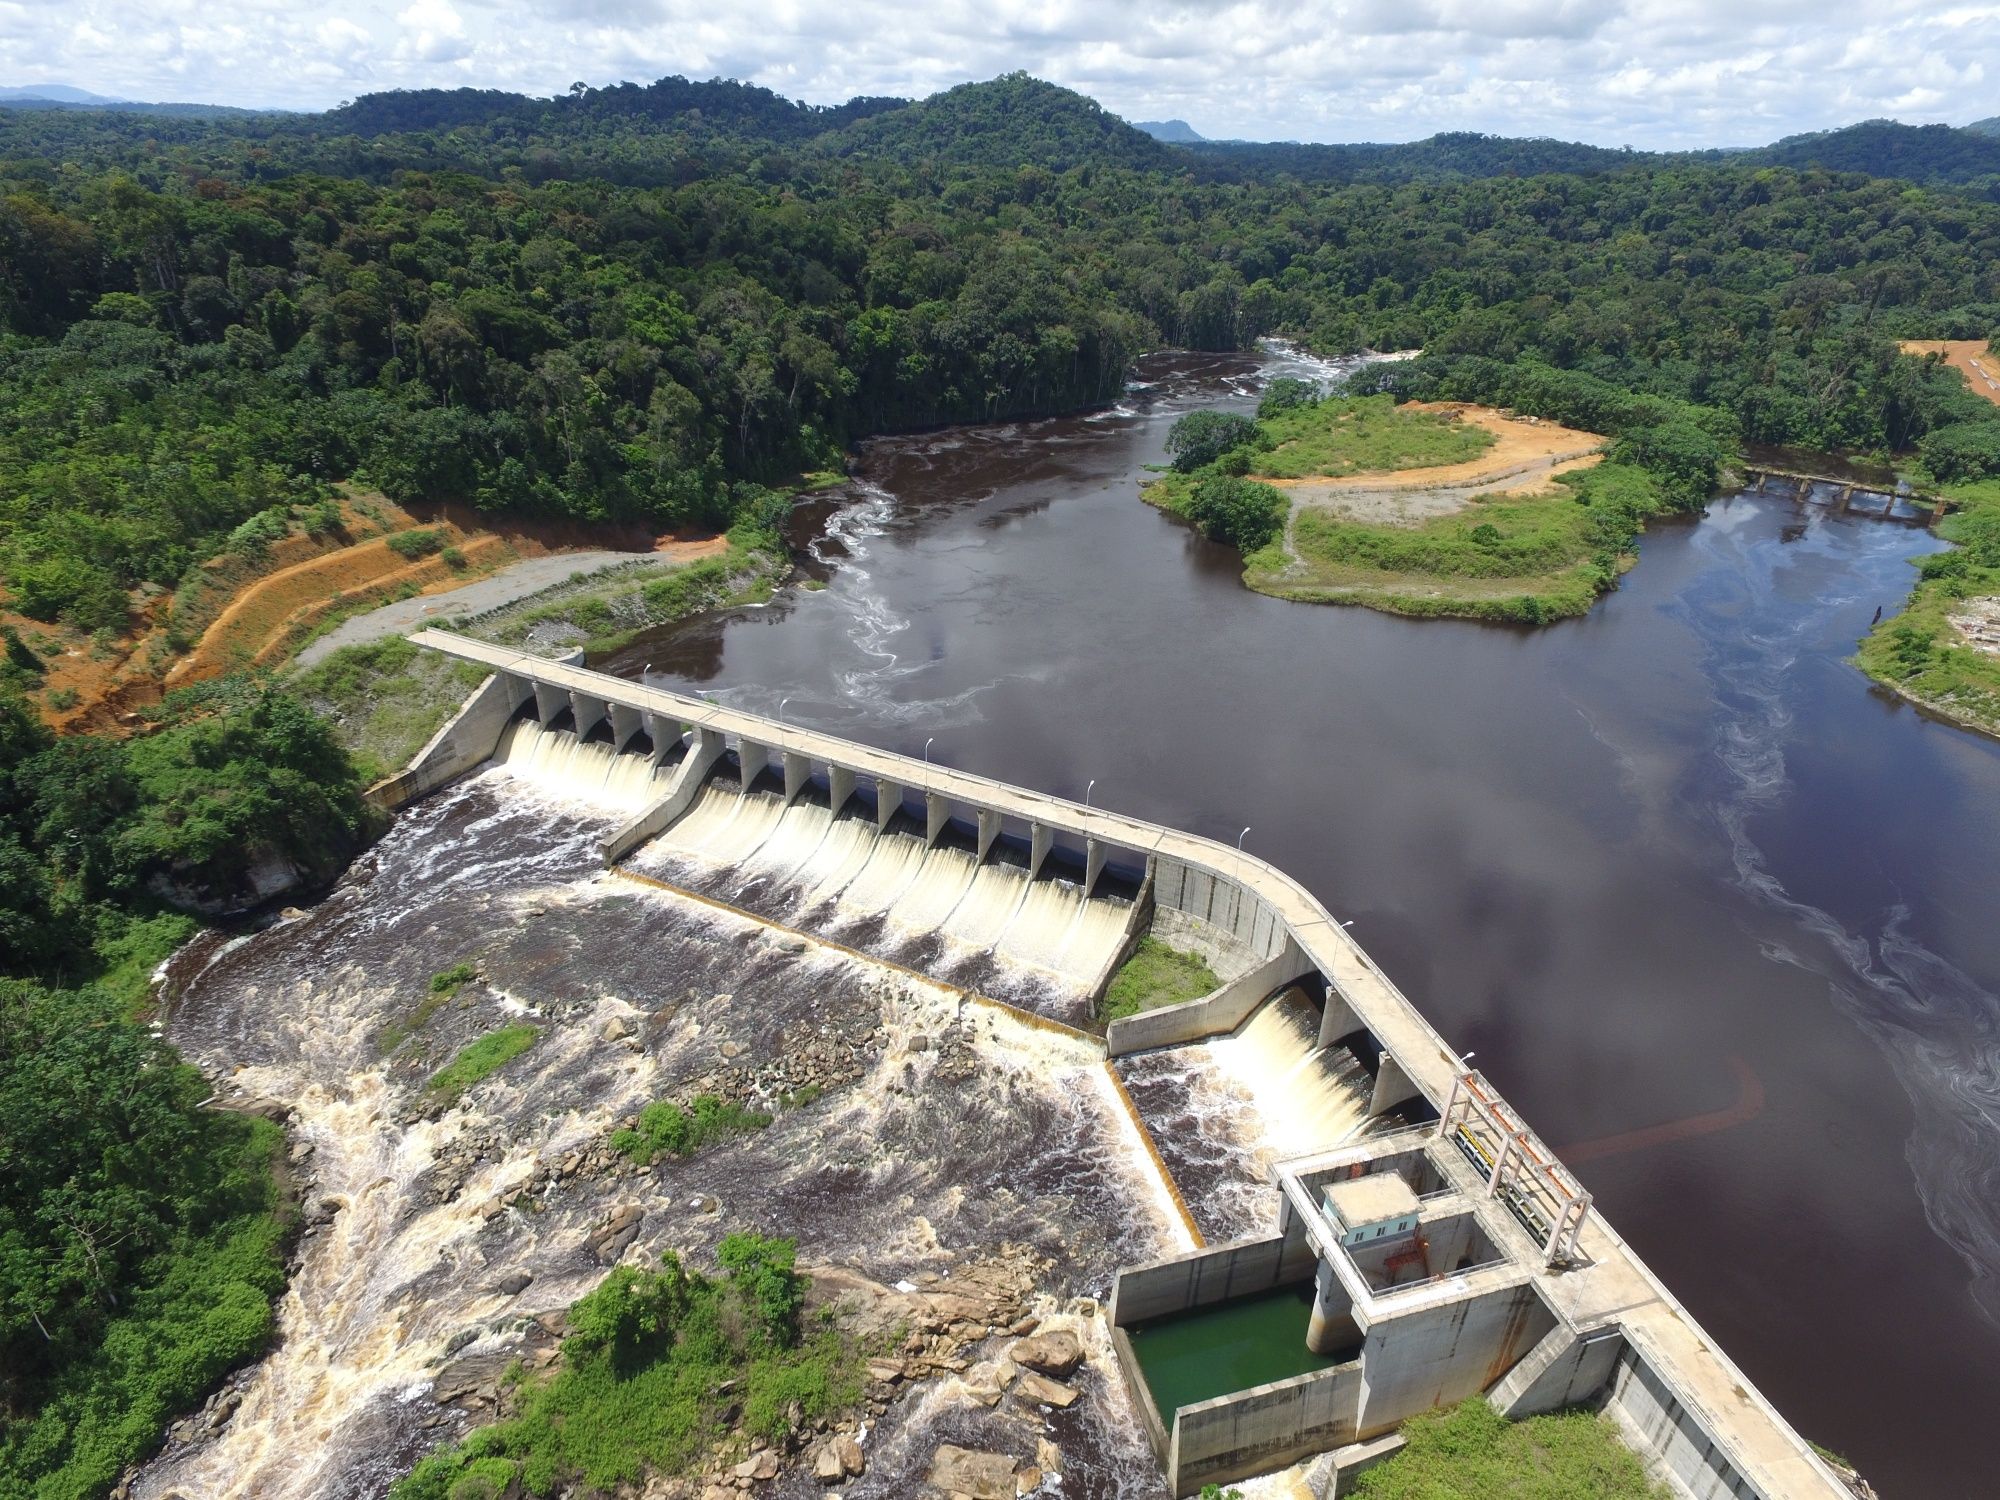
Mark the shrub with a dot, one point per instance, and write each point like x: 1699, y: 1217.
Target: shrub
x: 452, y: 558
x: 323, y: 518
x: 448, y: 981
x: 1237, y: 512
x: 761, y: 1269
x: 1201, y: 437
x: 665, y: 1129
x: 1284, y: 393
x: 415, y: 544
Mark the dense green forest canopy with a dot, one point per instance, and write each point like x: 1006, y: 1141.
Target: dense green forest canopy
x: 627, y: 303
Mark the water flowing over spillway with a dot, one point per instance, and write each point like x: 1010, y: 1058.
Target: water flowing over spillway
x: 935, y: 907
x: 592, y: 772
x: 1222, y: 1112
x: 963, y: 1129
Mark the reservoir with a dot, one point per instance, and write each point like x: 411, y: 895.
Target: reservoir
x: 1715, y: 915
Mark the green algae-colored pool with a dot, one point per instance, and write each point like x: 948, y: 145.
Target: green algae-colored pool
x: 1231, y: 1346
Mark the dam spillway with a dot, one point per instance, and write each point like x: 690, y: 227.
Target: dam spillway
x: 888, y: 891
x: 946, y: 872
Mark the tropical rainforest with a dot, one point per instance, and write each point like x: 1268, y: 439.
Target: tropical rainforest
x: 657, y: 305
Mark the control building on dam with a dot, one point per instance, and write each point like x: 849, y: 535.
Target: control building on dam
x: 1435, y: 1250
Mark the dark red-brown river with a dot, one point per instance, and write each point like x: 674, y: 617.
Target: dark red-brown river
x: 1720, y: 919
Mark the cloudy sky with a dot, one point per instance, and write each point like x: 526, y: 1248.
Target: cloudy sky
x: 1614, y: 72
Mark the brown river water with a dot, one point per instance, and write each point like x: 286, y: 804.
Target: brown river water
x: 1708, y: 907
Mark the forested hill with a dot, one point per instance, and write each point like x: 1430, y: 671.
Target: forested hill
x: 1885, y: 148
x: 1012, y: 121
x: 1455, y: 154
x: 718, y: 107
x: 640, y: 304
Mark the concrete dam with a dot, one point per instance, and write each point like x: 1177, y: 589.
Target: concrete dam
x: 1407, y: 1242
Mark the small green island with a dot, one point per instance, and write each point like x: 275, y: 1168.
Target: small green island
x: 1449, y: 508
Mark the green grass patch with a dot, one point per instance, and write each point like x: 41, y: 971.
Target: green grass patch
x: 385, y: 699
x: 666, y: 1129
x: 1518, y: 559
x: 1156, y: 975
x: 1362, y: 435
x: 1919, y: 653
x: 659, y: 1369
x: 1471, y: 1450
x: 480, y: 1058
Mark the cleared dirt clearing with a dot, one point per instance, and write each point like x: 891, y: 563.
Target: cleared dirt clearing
x: 1969, y: 357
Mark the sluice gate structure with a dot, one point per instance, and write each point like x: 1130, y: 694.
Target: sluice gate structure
x: 1442, y: 1253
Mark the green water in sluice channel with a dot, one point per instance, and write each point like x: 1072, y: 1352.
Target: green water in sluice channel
x: 1231, y: 1346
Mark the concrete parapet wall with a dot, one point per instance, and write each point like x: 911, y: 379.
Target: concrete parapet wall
x: 1208, y: 1276
x: 1263, y: 1428
x: 1215, y: 1014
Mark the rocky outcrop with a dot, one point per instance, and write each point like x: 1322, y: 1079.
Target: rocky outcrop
x: 967, y: 1471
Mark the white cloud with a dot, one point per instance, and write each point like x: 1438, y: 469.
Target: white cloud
x: 1645, y: 72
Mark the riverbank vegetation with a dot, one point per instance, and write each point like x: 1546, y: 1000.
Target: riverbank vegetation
x: 142, y: 1240
x: 1456, y: 537
x: 1156, y: 974
x: 1942, y: 650
x: 1471, y: 1449
x: 659, y: 1367
x: 606, y: 610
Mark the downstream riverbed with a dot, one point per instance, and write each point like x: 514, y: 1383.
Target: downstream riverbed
x: 1711, y: 911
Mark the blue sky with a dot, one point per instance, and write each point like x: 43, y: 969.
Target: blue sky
x: 1648, y: 73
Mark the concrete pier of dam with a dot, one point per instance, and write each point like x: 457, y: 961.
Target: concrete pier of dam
x: 1520, y: 1290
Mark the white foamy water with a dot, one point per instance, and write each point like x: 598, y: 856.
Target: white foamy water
x: 801, y: 865
x: 1308, y: 1097
x: 559, y: 764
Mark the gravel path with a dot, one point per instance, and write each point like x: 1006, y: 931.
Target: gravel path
x: 513, y: 582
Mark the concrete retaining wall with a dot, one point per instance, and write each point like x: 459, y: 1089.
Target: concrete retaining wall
x: 1263, y: 1428
x: 467, y: 740
x: 1420, y: 1360
x: 1565, y: 1369
x: 1208, y: 1276
x: 1215, y: 1014
x: 1680, y: 1447
x: 682, y: 789
x: 1237, y: 917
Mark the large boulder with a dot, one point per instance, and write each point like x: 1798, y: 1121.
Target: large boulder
x: 967, y: 1471
x: 1057, y: 1352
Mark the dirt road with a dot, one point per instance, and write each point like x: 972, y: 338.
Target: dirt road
x: 504, y: 587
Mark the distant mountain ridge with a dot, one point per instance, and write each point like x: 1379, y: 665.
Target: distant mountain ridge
x: 58, y: 93
x: 1010, y: 121
x: 69, y: 97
